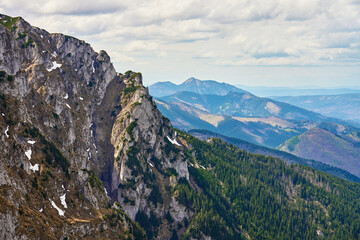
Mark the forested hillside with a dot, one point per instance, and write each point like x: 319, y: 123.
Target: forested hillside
x: 240, y: 195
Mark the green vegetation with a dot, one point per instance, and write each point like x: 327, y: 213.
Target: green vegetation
x: 93, y: 180
x: 133, y: 76
x: 291, y: 143
x: 29, y: 42
x: 149, y: 223
x: 155, y: 196
x: 171, y: 172
x: 21, y: 35
x: 53, y: 156
x: 67, y: 37
x: 169, y: 147
x: 128, y: 73
x: 117, y: 218
x: 7, y: 21
x: 131, y: 88
x: 133, y: 162
x: 264, y: 197
x: 129, y: 129
x: 135, y: 104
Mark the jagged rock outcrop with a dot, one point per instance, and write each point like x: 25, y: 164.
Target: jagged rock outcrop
x: 51, y: 86
x: 148, y: 155
x: 77, y: 137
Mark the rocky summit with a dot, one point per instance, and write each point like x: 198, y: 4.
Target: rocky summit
x: 77, y: 137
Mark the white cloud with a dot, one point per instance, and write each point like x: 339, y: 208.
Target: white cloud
x: 195, y: 36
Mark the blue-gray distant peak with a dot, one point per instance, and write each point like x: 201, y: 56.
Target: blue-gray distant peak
x: 161, y: 89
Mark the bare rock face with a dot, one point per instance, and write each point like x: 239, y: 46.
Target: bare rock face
x: 148, y: 157
x: 52, y: 152
x: 77, y: 137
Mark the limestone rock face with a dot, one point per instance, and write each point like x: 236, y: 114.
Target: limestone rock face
x: 52, y: 156
x: 149, y: 159
x: 77, y: 137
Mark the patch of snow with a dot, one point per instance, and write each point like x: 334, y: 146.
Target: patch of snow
x: 61, y: 212
x: 31, y: 142
x: 41, y: 36
x: 66, y: 96
x: 105, y: 191
x: 75, y: 70
x: 151, y: 164
x: 40, y: 210
x: 55, y: 65
x: 68, y: 105
x: 173, y: 141
x: 54, y: 54
x: 62, y: 199
x: 3, y: 114
x: 28, y: 154
x: 43, y: 51
x: 88, y: 149
x: 34, y: 168
x: 81, y: 98
x: 48, y: 41
x: 92, y: 65
x: 6, y: 131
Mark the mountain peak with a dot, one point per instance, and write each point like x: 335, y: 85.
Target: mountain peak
x: 193, y: 85
x: 192, y: 80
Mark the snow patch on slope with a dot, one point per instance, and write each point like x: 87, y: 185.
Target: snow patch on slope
x: 6, y: 131
x: 173, y: 141
x: 28, y: 154
x: 34, y: 168
x: 62, y: 199
x: 55, y: 65
x: 61, y: 212
x: 93, y: 68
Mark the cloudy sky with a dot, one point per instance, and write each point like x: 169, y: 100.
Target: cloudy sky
x: 251, y: 42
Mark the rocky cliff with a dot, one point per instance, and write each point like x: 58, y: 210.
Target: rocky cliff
x: 77, y: 137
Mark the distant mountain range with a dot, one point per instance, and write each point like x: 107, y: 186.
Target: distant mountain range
x: 243, y: 104
x: 329, y: 143
x: 266, y: 131
x: 162, y: 89
x: 263, y: 91
x: 266, y: 122
x: 343, y: 106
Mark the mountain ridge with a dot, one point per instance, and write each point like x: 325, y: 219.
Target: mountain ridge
x: 161, y: 89
x: 342, y: 106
